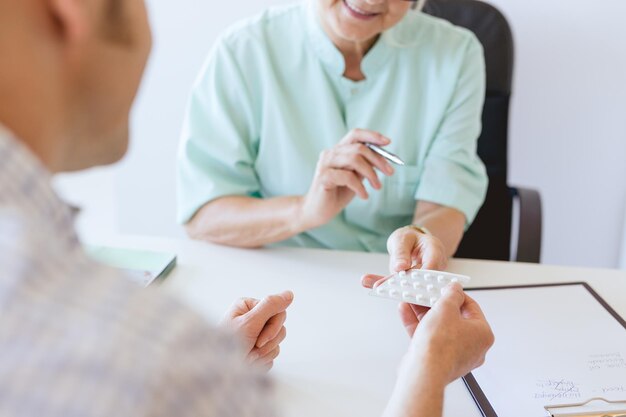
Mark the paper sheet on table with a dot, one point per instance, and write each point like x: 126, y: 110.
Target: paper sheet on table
x: 554, y: 345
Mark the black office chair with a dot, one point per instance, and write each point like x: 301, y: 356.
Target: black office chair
x: 489, y: 237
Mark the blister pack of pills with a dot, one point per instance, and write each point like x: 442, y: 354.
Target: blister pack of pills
x: 417, y: 286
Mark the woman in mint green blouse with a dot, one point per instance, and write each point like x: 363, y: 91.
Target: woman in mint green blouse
x: 273, y: 149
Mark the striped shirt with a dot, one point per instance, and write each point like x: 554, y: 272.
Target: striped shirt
x: 79, y: 339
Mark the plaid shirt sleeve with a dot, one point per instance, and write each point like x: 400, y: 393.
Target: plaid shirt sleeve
x: 205, y: 375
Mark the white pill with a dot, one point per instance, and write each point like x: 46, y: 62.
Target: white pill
x: 391, y: 281
x: 430, y: 287
x: 380, y: 290
x: 441, y: 279
x: 443, y: 291
x: 402, y: 274
x: 428, y: 277
x: 415, y: 275
x: 404, y: 283
x: 418, y: 285
x: 393, y: 293
x: 406, y: 294
x: 433, y: 300
x: 455, y: 279
x: 420, y: 298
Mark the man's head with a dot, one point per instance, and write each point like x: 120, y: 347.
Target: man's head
x: 69, y: 73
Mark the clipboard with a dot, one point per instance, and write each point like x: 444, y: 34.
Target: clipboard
x: 572, y: 398
x: 595, y: 407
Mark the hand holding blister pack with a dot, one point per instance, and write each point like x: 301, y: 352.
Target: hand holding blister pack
x: 417, y: 286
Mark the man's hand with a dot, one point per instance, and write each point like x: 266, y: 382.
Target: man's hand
x: 453, y: 336
x: 410, y: 248
x: 448, y: 340
x: 260, y: 324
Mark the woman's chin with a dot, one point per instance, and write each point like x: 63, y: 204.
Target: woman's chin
x: 353, y: 35
x: 353, y: 31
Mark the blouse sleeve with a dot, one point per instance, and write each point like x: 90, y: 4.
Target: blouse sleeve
x: 454, y: 176
x: 219, y: 140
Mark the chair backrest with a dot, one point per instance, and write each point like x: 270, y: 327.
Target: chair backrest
x: 489, y: 237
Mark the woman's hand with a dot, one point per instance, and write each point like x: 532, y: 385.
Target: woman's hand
x: 340, y: 174
x: 409, y: 247
x: 260, y: 325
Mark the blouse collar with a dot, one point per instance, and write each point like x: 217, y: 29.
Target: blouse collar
x: 332, y: 58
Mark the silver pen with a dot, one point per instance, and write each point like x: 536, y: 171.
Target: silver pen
x: 385, y: 154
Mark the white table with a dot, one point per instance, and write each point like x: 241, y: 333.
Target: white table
x: 343, y: 346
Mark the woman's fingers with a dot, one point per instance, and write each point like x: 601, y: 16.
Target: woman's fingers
x: 376, y: 160
x: 353, y: 157
x: 360, y: 159
x: 433, y: 253
x: 358, y: 164
x: 401, y: 245
x: 365, y: 136
x: 343, y: 156
x: 334, y: 178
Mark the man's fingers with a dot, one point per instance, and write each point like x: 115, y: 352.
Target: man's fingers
x: 420, y: 311
x: 453, y: 297
x: 401, y: 245
x: 471, y: 309
x: 271, y: 329
x: 370, y: 280
x: 267, y: 367
x: 269, y: 357
x: 408, y: 317
x: 272, y: 355
x: 272, y: 344
x: 271, y: 306
x: 411, y: 315
x: 240, y: 307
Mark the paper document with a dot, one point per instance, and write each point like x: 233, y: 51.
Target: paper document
x: 554, y: 345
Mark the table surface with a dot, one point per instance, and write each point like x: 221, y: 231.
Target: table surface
x: 343, y: 347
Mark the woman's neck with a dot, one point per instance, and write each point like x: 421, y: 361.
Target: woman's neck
x: 353, y: 53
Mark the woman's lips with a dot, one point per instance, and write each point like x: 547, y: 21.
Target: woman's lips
x: 358, y: 13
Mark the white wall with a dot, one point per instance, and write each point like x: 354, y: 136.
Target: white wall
x: 623, y: 257
x: 569, y: 122
x: 568, y: 135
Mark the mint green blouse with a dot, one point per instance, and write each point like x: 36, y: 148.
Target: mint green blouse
x: 272, y: 96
